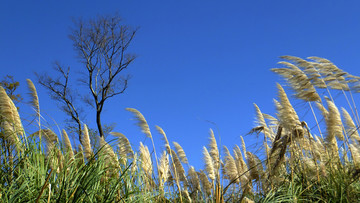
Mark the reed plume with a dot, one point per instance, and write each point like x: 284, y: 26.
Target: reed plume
x: 323, y: 110
x: 205, y: 183
x: 209, y: 164
x: 255, y: 166
x: 9, y: 119
x: 145, y: 157
x: 193, y: 179
x: 5, y: 107
x: 86, y: 143
x: 134, y: 165
x: 179, y: 170
x: 230, y: 170
x: 350, y: 127
x: 124, y: 146
x: 141, y: 122
x: 355, y: 152
x: 50, y: 138
x: 297, y: 61
x: 67, y: 144
x: 261, y: 123
x: 173, y: 160
x: 163, y: 172
x: 17, y: 125
x: 333, y: 123
x: 163, y: 168
x: 243, y: 146
x: 167, y: 145
x: 181, y: 153
x: 214, y: 152
x: 319, y: 59
x: 318, y: 149
x: 286, y: 113
x: 109, y: 153
x: 60, y: 163
x: 298, y: 81
x: 241, y: 167
x: 34, y: 96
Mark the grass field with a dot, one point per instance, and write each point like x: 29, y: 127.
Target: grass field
x: 296, y: 163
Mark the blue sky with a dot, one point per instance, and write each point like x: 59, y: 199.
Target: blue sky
x: 198, y: 61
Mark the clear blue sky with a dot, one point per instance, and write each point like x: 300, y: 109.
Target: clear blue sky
x: 197, y: 60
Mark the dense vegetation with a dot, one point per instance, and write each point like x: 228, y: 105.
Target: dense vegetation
x: 297, y: 163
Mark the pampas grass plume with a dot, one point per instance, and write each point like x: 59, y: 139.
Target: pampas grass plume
x: 145, y: 158
x: 333, y: 123
x: 125, y: 149
x: 194, y: 178
x: 230, y: 169
x: 141, y: 121
x: 209, y: 164
x: 214, y: 151
x: 67, y: 144
x: 34, y: 96
x: 167, y: 145
x: 86, y: 143
x: 350, y: 127
x: 181, y: 153
x: 163, y: 167
x: 287, y: 115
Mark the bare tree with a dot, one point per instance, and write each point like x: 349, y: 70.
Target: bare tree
x: 102, y: 45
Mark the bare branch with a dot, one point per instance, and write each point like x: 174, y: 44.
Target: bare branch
x: 59, y: 91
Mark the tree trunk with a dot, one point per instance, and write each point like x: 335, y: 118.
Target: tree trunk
x: 79, y: 130
x: 98, y: 122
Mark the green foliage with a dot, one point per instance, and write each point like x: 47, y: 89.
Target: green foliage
x: 35, y: 175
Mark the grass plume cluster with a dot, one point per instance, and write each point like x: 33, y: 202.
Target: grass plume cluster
x: 300, y: 161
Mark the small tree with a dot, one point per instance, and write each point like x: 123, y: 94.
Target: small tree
x: 102, y: 46
x: 10, y: 86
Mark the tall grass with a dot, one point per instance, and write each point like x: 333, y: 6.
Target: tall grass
x: 317, y: 160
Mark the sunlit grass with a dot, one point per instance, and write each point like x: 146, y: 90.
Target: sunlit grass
x: 297, y: 164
